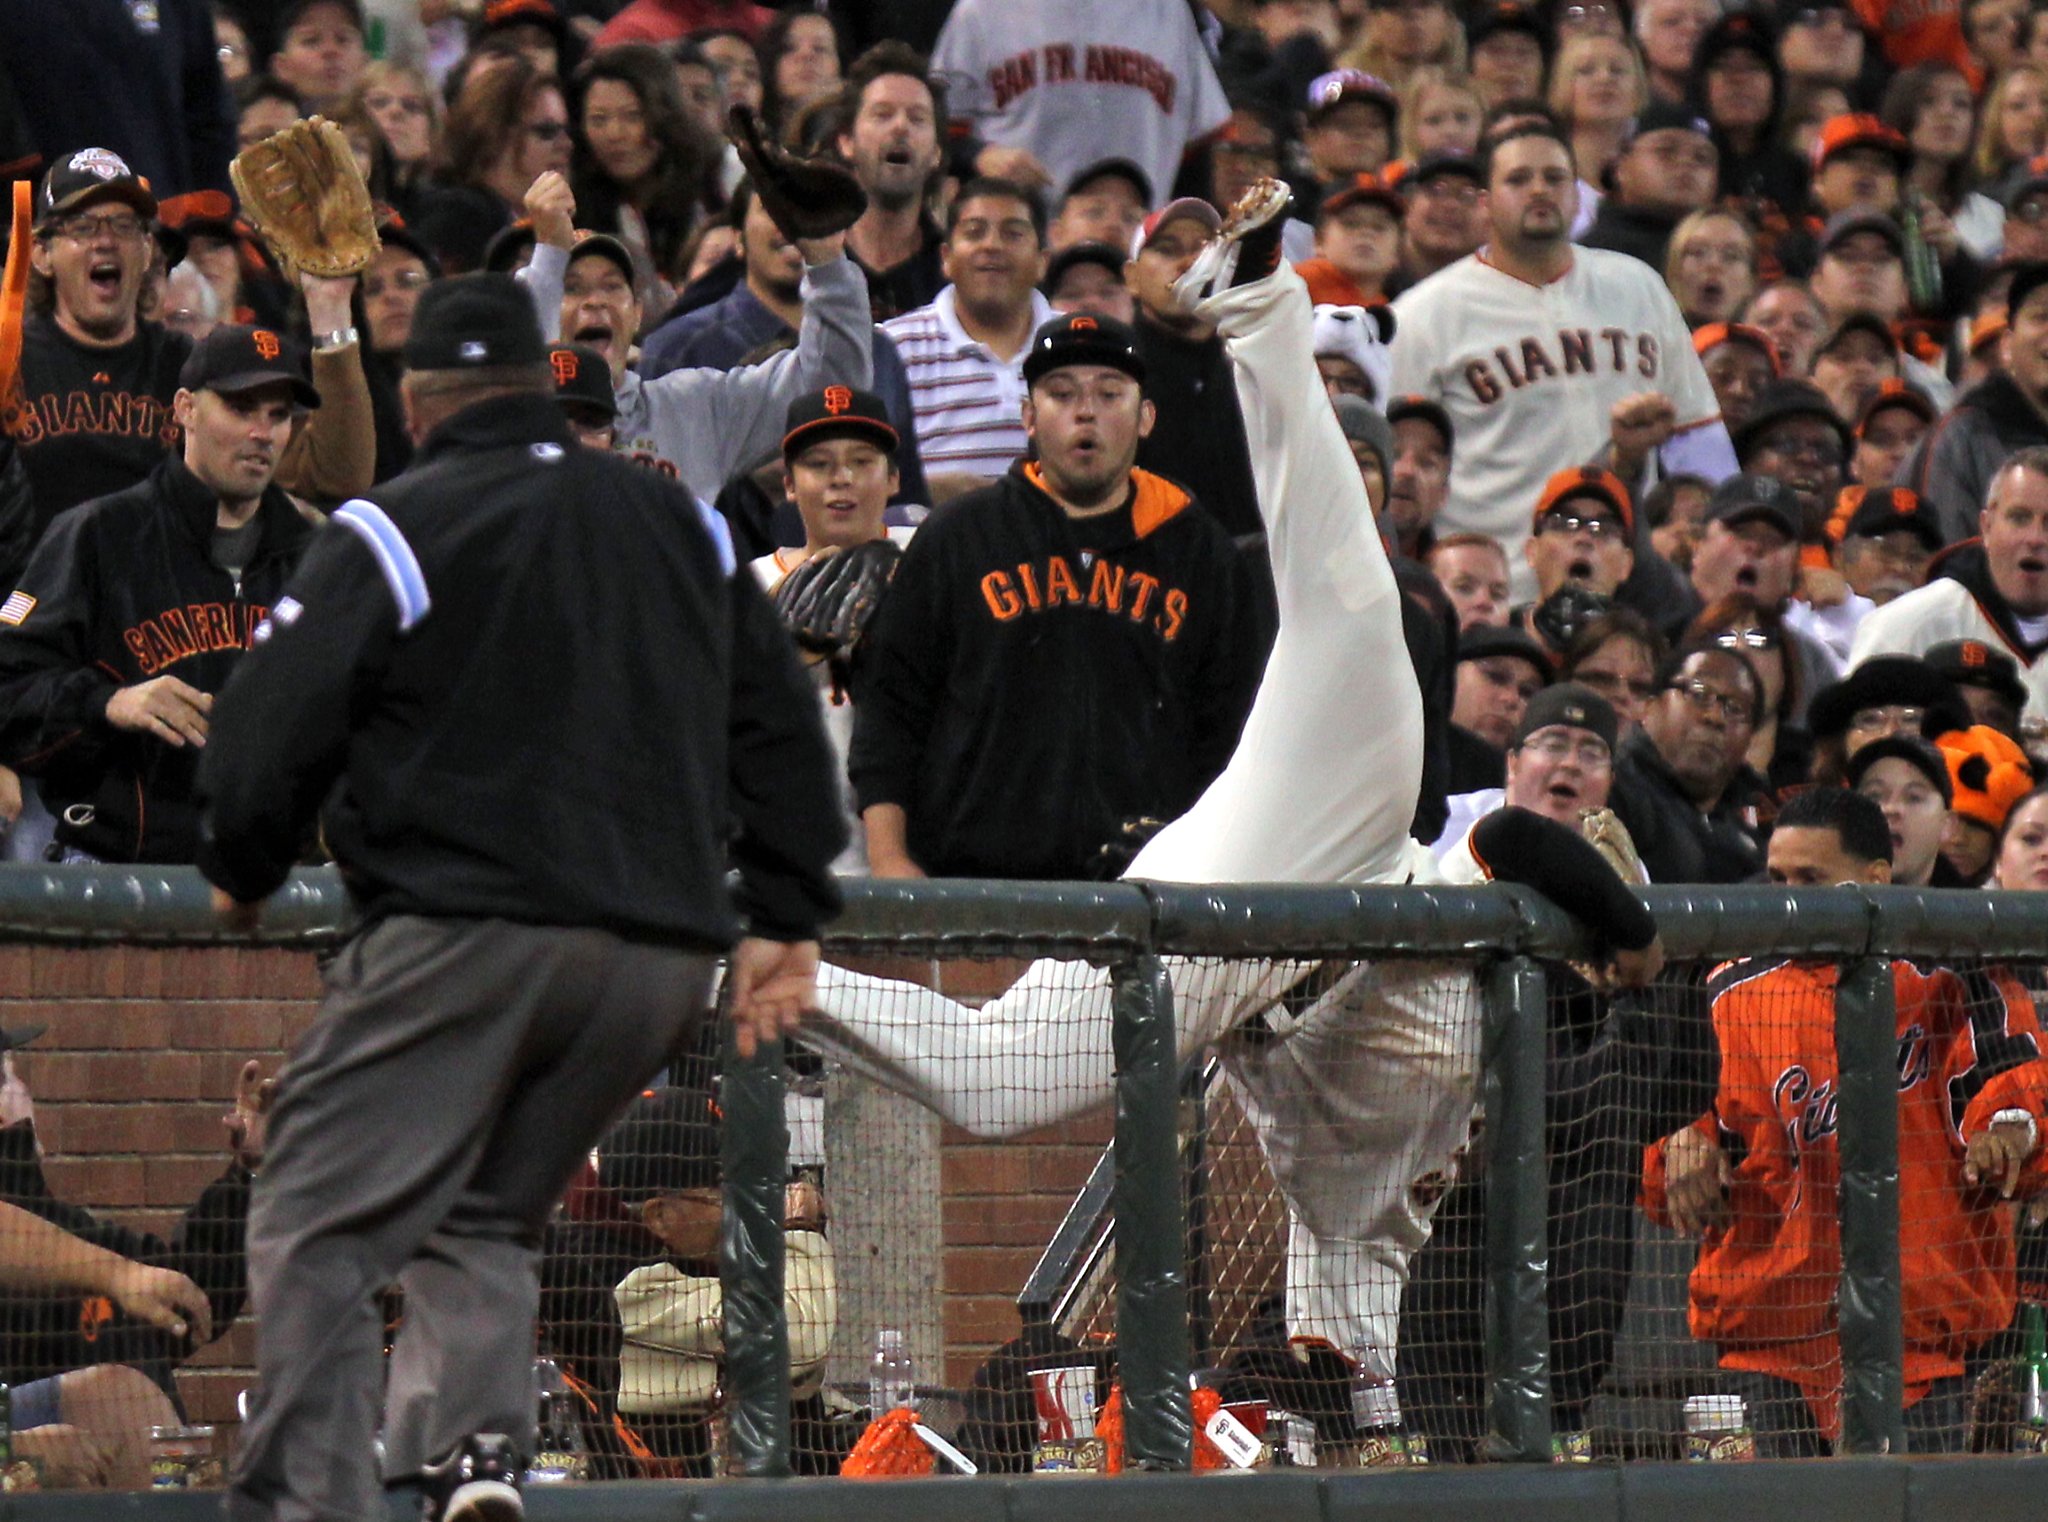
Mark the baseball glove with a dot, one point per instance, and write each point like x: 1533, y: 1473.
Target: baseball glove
x: 808, y: 198
x: 827, y: 602
x: 303, y: 192
x: 1605, y: 833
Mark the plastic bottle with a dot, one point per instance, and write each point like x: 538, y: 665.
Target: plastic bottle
x: 1376, y: 1411
x: 1923, y: 266
x: 2030, y: 1430
x: 559, y: 1453
x: 892, y: 1382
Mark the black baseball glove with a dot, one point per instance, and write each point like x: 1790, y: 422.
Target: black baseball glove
x: 827, y: 602
x: 808, y: 198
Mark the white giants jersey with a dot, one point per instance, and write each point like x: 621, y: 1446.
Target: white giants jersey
x: 1530, y: 373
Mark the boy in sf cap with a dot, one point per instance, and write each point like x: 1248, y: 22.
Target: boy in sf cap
x: 135, y: 609
x: 1077, y: 585
x: 524, y: 719
x: 583, y: 390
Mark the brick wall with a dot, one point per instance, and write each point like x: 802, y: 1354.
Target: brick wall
x: 139, y: 1062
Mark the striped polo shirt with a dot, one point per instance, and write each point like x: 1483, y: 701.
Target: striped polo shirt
x: 969, y: 404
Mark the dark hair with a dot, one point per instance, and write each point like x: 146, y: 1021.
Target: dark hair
x: 1740, y: 608
x: 1618, y: 622
x: 1509, y: 110
x: 1857, y: 822
x: 1008, y: 190
x: 1674, y: 663
x: 887, y: 57
x: 1489, y: 148
x: 2039, y: 790
x: 774, y: 43
x: 484, y: 121
x: 686, y: 164
x: 490, y: 45
x: 1655, y: 510
x: 257, y: 87
x: 1906, y: 97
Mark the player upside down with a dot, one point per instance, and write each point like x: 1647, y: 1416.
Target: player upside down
x: 1361, y: 1093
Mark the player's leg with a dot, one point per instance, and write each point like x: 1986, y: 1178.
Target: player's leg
x: 1322, y: 785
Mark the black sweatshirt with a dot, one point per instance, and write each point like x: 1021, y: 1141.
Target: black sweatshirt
x: 1034, y: 680
x: 121, y: 591
x: 530, y: 682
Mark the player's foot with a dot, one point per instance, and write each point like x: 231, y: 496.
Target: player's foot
x: 1246, y: 248
x: 478, y: 1482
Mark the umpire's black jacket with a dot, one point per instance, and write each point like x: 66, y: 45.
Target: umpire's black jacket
x: 529, y: 682
x: 123, y: 590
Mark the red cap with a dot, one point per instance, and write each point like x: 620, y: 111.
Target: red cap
x: 1858, y: 129
x: 1362, y: 188
x: 1586, y: 481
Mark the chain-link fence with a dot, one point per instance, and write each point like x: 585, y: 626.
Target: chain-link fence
x: 1424, y: 1192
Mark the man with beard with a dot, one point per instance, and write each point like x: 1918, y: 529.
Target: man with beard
x: 2005, y: 412
x: 892, y: 145
x: 698, y: 426
x: 1996, y: 592
x: 1531, y: 343
x: 1681, y: 785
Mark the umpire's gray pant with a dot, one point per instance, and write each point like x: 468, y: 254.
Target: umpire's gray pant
x: 458, y: 1074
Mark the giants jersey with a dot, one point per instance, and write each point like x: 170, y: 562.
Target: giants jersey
x: 1530, y: 373
x: 1765, y: 1286
x: 1076, y: 81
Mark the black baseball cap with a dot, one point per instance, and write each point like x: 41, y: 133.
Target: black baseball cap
x: 1568, y: 703
x: 1119, y: 168
x: 1081, y: 338
x: 1477, y: 644
x: 19, y: 1037
x: 1401, y: 408
x: 1749, y: 498
x: 1746, y: 31
x: 1847, y: 224
x: 88, y: 176
x: 837, y: 410
x: 233, y: 359
x: 1506, y: 16
x: 1663, y: 116
x: 1875, y: 510
x: 1434, y: 166
x: 392, y: 231
x: 289, y: 13
x: 1787, y: 398
x: 1328, y: 91
x: 1893, y: 392
x: 1860, y: 322
x: 666, y: 1142
x: 583, y: 378
x: 1884, y: 681
x: 1973, y: 663
x: 1089, y: 252
x: 469, y: 321
x: 1921, y: 754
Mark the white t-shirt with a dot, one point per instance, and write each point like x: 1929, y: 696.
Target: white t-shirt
x: 1079, y: 81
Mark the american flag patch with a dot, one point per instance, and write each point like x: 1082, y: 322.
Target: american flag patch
x: 16, y: 608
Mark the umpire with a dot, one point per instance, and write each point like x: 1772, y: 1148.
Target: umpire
x: 540, y: 711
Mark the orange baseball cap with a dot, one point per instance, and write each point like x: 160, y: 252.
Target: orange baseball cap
x: 1586, y: 481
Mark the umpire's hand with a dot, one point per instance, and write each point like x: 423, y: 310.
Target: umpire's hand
x: 772, y: 983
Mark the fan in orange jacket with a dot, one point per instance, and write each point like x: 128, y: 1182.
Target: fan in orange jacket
x: 1761, y: 1173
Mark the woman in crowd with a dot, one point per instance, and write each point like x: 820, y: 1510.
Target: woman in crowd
x: 508, y: 127
x: 408, y: 117
x: 1440, y: 113
x: 265, y: 105
x: 1711, y: 266
x: 2012, y: 129
x: 2022, y: 859
x: 1405, y: 35
x: 644, y: 169
x: 1740, y: 89
x: 1617, y: 655
x: 1930, y: 105
x: 1596, y: 89
x: 801, y: 64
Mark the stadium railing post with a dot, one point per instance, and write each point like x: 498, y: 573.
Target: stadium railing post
x: 1873, y: 1347
x: 1517, y: 1199
x: 755, y: 1152
x: 1152, y: 1291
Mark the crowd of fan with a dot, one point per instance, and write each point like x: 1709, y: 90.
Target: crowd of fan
x: 1807, y: 543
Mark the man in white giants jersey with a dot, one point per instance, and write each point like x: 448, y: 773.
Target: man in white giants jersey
x: 1544, y: 354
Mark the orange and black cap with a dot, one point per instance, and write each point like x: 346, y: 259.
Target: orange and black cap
x: 834, y: 411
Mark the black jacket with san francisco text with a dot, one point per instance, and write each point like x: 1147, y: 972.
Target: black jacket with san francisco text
x: 122, y: 590
x: 1033, y: 680
x: 530, y: 681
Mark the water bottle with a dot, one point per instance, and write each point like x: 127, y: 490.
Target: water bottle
x: 1923, y: 267
x: 2030, y: 1431
x: 892, y: 1383
x: 559, y: 1452
x: 1376, y: 1411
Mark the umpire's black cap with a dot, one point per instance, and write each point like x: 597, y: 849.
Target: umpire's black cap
x: 1082, y: 338
x: 834, y: 411
x: 471, y: 321
x: 666, y: 1143
x: 583, y: 378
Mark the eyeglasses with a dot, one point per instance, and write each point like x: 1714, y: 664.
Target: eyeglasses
x: 1572, y: 523
x: 404, y: 280
x: 1583, y: 15
x: 1736, y: 711
x: 1890, y: 716
x: 1613, y: 683
x: 1591, y: 754
x: 123, y: 226
x: 1464, y: 192
x: 1746, y: 639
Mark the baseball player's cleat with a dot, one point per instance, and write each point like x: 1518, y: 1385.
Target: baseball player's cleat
x: 1246, y: 248
x: 478, y: 1482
